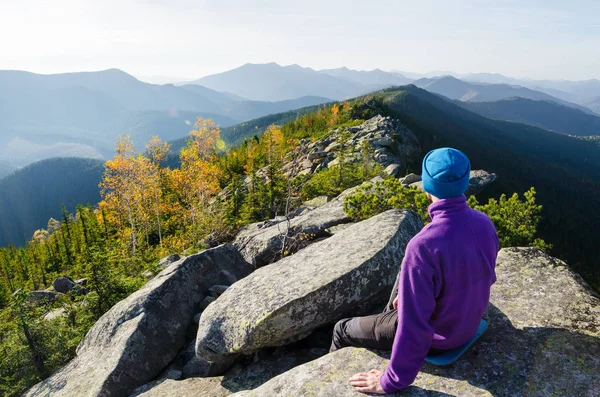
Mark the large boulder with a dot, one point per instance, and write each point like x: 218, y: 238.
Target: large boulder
x: 131, y: 343
x: 543, y: 340
x: 318, y: 285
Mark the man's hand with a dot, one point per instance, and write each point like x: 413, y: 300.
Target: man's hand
x: 367, y: 382
x: 395, y: 303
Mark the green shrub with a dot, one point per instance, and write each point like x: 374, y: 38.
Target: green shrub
x: 515, y: 220
x: 372, y: 199
x: 327, y: 182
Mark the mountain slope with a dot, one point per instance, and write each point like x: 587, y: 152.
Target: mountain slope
x: 272, y: 82
x: 593, y: 103
x: 454, y: 88
x: 32, y: 195
x: 5, y: 168
x: 564, y: 170
x: 544, y: 114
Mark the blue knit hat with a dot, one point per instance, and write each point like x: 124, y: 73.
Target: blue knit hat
x: 446, y: 173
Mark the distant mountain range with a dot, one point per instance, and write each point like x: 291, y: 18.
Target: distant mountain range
x: 82, y: 114
x: 548, y: 115
x: 465, y: 91
x: 272, y: 82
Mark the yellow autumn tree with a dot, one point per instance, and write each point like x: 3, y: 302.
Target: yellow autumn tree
x: 157, y: 152
x: 122, y: 189
x: 196, y: 182
x: 335, y: 110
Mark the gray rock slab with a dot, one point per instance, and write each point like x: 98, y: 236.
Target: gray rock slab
x: 316, y: 286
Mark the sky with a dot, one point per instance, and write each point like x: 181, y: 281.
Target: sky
x: 188, y: 39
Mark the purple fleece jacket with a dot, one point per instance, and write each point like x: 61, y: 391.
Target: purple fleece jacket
x: 444, y: 287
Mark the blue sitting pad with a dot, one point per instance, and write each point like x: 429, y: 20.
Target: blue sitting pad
x: 450, y: 356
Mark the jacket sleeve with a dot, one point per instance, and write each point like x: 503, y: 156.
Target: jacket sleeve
x: 416, y: 303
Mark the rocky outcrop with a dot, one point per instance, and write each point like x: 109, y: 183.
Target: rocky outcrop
x: 478, y: 180
x: 392, y: 144
x: 242, y: 377
x: 131, y: 343
x: 318, y: 285
x: 543, y: 340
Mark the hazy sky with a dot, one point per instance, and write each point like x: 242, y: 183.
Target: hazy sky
x: 190, y: 39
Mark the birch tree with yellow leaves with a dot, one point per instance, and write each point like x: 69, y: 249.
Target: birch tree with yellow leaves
x: 196, y: 182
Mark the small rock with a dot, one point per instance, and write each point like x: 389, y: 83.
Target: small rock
x: 63, y: 284
x: 167, y: 260
x: 317, y: 201
x: 38, y: 296
x: 393, y: 169
x: 197, y: 318
x: 217, y: 290
x: 82, y: 282
x: 317, y: 155
x: 51, y: 315
x: 171, y: 373
x: 410, y: 178
x: 206, y: 301
x: 201, y: 368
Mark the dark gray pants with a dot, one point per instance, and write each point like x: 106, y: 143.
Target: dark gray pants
x: 372, y: 332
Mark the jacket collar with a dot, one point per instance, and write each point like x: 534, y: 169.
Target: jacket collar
x: 447, y: 206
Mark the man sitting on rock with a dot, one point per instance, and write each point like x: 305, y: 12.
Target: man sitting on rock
x: 443, y: 287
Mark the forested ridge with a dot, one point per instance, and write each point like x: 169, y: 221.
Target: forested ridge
x: 148, y: 209
x: 33, y: 194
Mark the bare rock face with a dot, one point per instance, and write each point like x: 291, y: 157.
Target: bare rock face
x: 131, y: 343
x: 318, y: 285
x: 543, y: 340
x: 237, y: 379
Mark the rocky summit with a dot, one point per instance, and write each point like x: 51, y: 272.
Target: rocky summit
x: 265, y: 331
x: 543, y: 340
